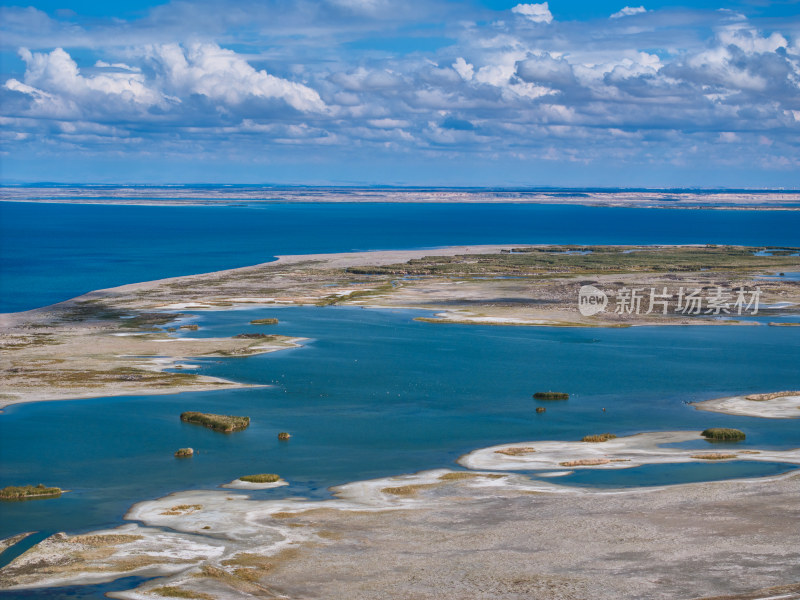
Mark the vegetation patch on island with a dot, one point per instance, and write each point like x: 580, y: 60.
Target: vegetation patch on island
x: 253, y: 336
x: 551, y: 396
x: 518, y: 451
x: 223, y: 423
x: 462, y: 475
x: 770, y: 396
x: 600, y: 437
x: 575, y: 260
x: 713, y: 456
x: 271, y: 321
x: 585, y: 462
x: 25, y: 492
x: 171, y: 591
x: 261, y: 478
x: 723, y: 434
x: 407, y: 490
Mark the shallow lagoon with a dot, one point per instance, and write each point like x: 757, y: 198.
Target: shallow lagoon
x: 375, y: 393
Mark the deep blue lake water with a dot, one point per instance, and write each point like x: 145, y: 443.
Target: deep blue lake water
x: 52, y: 252
x: 372, y: 393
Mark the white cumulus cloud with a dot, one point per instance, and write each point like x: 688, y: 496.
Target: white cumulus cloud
x: 629, y: 11
x: 463, y: 68
x: 220, y: 74
x: 538, y: 13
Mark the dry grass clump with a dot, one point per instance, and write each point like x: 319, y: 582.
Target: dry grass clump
x: 138, y: 561
x: 92, y: 378
x: 260, y: 478
x: 249, y: 559
x: 171, y: 591
x: 713, y: 456
x: 461, y: 475
x: 600, y: 437
x: 407, y: 490
x: 585, y: 462
x: 111, y: 539
x: 518, y: 451
x: 23, y: 492
x: 245, y: 578
x: 264, y: 322
x: 723, y: 434
x: 183, y: 509
x: 770, y: 396
x: 223, y: 423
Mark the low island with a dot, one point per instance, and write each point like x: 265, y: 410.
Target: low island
x: 223, y: 423
x: 27, y: 492
x: 551, y: 396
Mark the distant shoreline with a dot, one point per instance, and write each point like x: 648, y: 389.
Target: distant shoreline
x: 256, y: 195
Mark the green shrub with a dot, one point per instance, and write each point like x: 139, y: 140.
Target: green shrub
x: 723, y: 434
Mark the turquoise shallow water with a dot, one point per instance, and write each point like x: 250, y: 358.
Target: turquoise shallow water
x: 375, y: 393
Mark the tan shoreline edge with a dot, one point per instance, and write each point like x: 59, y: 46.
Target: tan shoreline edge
x: 754, y: 200
x: 776, y: 405
x: 108, y: 343
x: 449, y: 534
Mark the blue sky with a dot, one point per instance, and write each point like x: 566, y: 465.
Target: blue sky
x: 422, y: 92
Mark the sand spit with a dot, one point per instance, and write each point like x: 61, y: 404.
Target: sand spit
x: 6, y: 543
x: 784, y: 406
x: 618, y: 453
x: 118, y: 341
x: 86, y: 359
x: 441, y: 534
